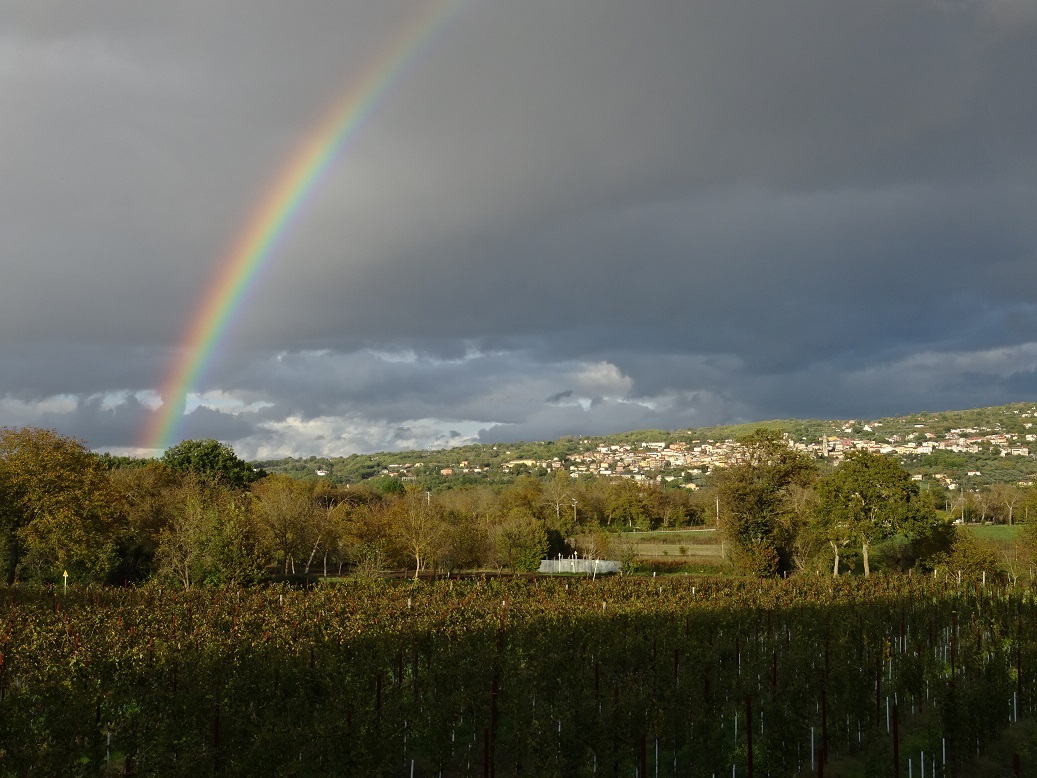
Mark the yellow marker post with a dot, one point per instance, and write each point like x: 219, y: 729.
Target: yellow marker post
x: 65, y: 575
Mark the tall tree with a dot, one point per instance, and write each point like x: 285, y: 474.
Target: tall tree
x: 211, y: 535
x: 628, y: 504
x: 419, y: 524
x: 56, y: 507
x: 755, y: 501
x: 145, y: 506
x: 867, y: 498
x: 212, y: 459
x: 1008, y: 497
x: 524, y: 493
x: 558, y: 495
x: 287, y: 514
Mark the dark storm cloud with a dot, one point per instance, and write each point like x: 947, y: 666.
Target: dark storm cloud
x: 654, y: 215
x: 557, y: 397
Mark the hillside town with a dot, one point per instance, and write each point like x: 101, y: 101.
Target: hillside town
x: 661, y: 461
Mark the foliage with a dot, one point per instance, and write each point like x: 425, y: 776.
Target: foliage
x: 212, y: 536
x: 970, y: 556
x: 144, y: 502
x: 536, y: 676
x: 520, y: 540
x: 628, y: 505
x: 755, y: 500
x: 389, y: 485
x: 756, y: 557
x: 211, y: 459
x: 56, y: 507
x: 133, y: 515
x: 868, y: 498
x: 287, y: 516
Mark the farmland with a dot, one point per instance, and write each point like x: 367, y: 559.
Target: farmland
x: 622, y: 676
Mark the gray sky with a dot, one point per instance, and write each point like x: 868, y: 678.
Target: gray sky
x: 563, y: 217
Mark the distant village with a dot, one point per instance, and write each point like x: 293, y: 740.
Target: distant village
x: 659, y: 461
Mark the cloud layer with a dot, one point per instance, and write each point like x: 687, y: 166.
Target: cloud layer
x: 560, y: 218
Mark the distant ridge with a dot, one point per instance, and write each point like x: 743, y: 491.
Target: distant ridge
x: 1018, y: 418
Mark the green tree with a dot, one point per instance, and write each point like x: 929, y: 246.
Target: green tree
x: 756, y: 507
x: 674, y: 507
x: 520, y: 541
x: 628, y: 504
x: 57, y: 507
x: 211, y: 536
x: 1007, y: 497
x: 418, y: 523
x: 466, y: 543
x: 235, y: 549
x: 287, y: 515
x: 867, y: 498
x: 211, y: 459
x: 389, y: 485
x: 970, y: 556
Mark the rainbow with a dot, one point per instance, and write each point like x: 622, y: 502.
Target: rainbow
x: 277, y: 208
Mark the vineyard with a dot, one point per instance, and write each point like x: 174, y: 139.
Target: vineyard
x: 624, y: 676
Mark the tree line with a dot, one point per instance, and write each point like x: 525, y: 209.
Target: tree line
x: 782, y: 511
x: 201, y: 515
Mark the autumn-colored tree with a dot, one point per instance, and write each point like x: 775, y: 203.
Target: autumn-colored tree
x: 367, y: 539
x: 628, y: 505
x: 287, y: 514
x: 466, y: 543
x: 181, y: 547
x: 56, y: 507
x: 526, y: 494
x: 144, y: 502
x: 970, y: 557
x: 330, y: 511
x: 520, y: 540
x: 470, y: 516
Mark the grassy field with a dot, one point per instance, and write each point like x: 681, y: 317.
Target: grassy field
x: 1002, y: 533
x: 699, y: 545
x: 702, y: 546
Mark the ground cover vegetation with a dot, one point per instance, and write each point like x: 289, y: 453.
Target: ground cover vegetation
x: 548, y: 677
